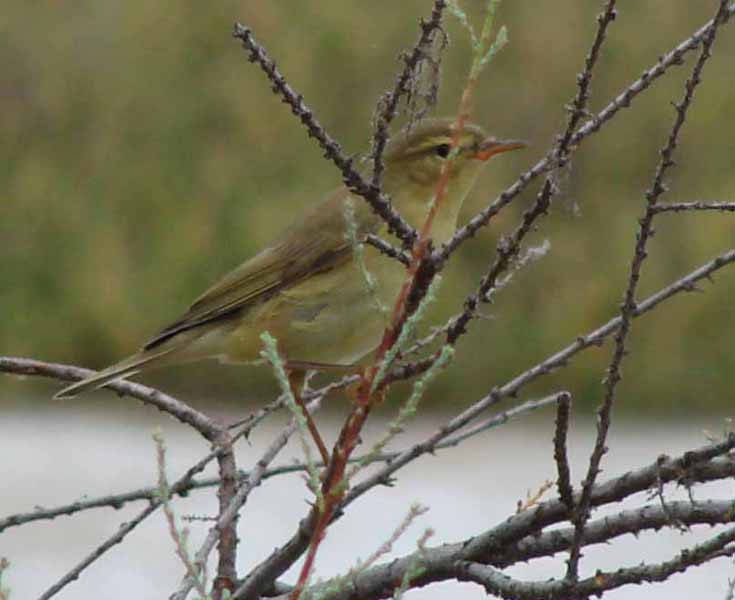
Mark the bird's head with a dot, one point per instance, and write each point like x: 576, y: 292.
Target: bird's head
x: 415, y: 158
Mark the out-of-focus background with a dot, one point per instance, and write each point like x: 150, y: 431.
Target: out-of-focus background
x: 143, y: 157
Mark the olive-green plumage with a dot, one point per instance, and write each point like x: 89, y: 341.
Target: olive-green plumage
x: 305, y: 288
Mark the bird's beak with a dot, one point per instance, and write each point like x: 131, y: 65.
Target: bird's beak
x: 492, y: 146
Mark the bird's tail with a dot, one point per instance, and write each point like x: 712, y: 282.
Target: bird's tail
x: 122, y: 370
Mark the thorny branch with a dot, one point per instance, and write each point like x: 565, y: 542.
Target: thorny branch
x: 628, y: 307
x: 508, y: 248
x: 395, y: 460
x: 524, y: 536
x: 495, y: 582
x: 694, y: 206
x: 229, y: 511
x: 624, y: 99
x: 332, y: 150
x: 388, y: 104
x: 163, y: 402
x: 287, y: 554
x: 521, y: 537
x: 563, y: 482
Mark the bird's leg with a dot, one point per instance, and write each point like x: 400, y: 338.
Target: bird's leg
x: 296, y: 382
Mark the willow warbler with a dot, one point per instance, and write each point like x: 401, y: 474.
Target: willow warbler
x: 306, y: 289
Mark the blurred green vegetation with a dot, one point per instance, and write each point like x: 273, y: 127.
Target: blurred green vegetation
x: 142, y: 156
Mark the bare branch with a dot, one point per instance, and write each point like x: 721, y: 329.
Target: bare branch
x: 495, y: 582
x: 606, y: 529
x: 594, y: 338
x: 508, y: 248
x: 226, y: 530
x: 628, y: 307
x: 623, y: 100
x: 387, y: 249
x: 228, y: 514
x: 163, y: 402
x: 694, y: 206
x: 563, y: 481
x: 332, y: 150
x: 388, y: 104
x: 520, y: 537
x: 123, y: 531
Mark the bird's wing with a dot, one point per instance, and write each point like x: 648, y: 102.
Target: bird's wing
x: 314, y: 243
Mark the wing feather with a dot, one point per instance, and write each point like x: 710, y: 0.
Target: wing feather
x: 314, y: 243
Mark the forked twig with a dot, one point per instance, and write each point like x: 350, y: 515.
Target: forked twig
x: 628, y: 307
x: 508, y: 247
x: 332, y: 150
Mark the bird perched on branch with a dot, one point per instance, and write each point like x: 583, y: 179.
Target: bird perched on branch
x: 306, y: 289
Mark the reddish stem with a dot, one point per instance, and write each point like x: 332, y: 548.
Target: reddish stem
x: 333, y: 487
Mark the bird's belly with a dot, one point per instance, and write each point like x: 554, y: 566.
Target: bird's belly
x: 329, y: 319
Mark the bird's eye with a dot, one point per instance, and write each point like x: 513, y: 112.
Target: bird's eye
x: 443, y: 150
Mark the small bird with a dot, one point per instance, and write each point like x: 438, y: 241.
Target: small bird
x: 306, y: 289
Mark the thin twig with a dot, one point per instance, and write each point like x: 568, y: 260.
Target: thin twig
x: 74, y: 573
x: 624, y: 99
x: 388, y: 249
x: 521, y: 537
x: 694, y: 206
x: 178, y: 537
x: 429, y: 445
x: 628, y: 307
x: 563, y: 481
x: 332, y: 150
x: 228, y: 514
x: 497, y: 583
x: 163, y: 402
x: 508, y: 248
x: 388, y: 104
x: 117, y: 501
